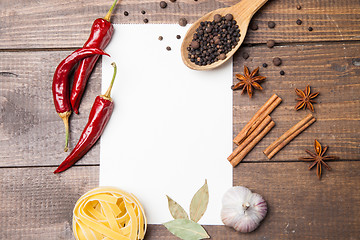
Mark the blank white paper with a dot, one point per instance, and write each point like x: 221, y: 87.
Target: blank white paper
x: 171, y: 127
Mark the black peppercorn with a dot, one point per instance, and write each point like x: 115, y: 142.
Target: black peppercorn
x: 245, y: 55
x: 143, y: 11
x: 163, y: 4
x: 265, y: 65
x: 254, y: 26
x: 178, y: 36
x: 146, y: 20
x: 298, y: 22
x: 126, y: 13
x: 168, y: 48
x: 310, y: 29
x: 270, y: 43
x: 277, y: 61
x: 160, y: 38
x: 282, y: 72
x: 182, y: 22
x: 271, y: 24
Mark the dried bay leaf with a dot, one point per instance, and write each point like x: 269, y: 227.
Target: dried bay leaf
x: 199, y: 203
x: 186, y: 229
x: 176, y: 210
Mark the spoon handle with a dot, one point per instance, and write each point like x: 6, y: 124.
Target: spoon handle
x: 248, y: 7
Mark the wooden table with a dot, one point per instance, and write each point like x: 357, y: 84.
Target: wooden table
x: 36, y: 35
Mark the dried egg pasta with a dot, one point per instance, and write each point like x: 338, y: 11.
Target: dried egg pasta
x: 108, y: 213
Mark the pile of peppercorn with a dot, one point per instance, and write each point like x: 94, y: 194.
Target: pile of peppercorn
x: 213, y: 40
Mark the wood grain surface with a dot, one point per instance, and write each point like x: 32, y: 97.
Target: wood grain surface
x: 36, y: 204
x: 66, y: 24
x: 35, y: 35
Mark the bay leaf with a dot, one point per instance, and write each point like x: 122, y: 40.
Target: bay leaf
x: 186, y: 229
x: 199, y: 203
x: 176, y: 210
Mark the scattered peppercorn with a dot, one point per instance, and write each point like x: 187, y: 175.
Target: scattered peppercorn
x: 146, y: 20
x: 160, y: 38
x: 172, y: 1
x: 282, y: 72
x: 265, y: 65
x: 271, y: 24
x: 178, y: 36
x: 310, y: 29
x: 298, y: 7
x: 168, y: 48
x: 182, y: 22
x: 298, y: 22
x: 213, y: 40
x: 254, y: 26
x: 143, y: 11
x: 245, y: 55
x: 277, y: 61
x: 126, y: 13
x: 163, y: 4
x: 270, y: 43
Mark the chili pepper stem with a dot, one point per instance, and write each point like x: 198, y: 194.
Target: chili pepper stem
x: 107, y: 94
x: 65, y: 117
x: 108, y: 15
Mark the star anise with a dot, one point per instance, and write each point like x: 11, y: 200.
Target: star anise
x: 318, y: 158
x: 306, y: 98
x: 248, y: 81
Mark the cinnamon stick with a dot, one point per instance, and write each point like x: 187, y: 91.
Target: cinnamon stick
x: 289, y: 135
x: 250, y: 138
x: 236, y: 160
x: 256, y: 120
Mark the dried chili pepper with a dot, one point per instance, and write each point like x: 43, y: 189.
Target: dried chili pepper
x: 101, y: 33
x: 99, y: 116
x: 60, y: 86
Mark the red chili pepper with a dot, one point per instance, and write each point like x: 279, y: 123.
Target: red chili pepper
x: 60, y: 86
x: 101, y: 33
x: 99, y: 116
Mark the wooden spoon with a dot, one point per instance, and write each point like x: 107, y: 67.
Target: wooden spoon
x: 242, y: 13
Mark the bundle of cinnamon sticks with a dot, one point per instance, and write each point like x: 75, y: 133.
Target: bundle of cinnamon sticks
x: 259, y: 125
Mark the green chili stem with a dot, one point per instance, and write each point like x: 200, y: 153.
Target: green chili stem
x: 107, y: 94
x: 108, y: 15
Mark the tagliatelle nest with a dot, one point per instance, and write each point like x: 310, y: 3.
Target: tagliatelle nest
x: 108, y: 213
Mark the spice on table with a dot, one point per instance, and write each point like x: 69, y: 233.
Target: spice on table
x: 178, y: 36
x: 310, y: 29
x: 146, y: 20
x: 318, y: 158
x: 254, y: 26
x: 101, y: 33
x: 61, y: 84
x: 277, y: 61
x: 126, y: 13
x: 271, y: 24
x: 213, y: 38
x: 242, y: 209
x: 143, y: 12
x: 251, y: 141
x: 160, y: 38
x: 182, y: 22
x: 163, y: 4
x: 289, y: 135
x: 265, y: 65
x: 168, y: 48
x: 282, y: 72
x: 298, y: 7
x: 248, y: 81
x: 245, y: 55
x: 189, y: 228
x: 305, y: 98
x: 270, y: 43
x: 258, y: 118
x: 172, y: 1
x: 98, y: 118
x: 298, y: 22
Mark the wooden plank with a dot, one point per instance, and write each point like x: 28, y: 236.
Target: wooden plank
x: 66, y: 24
x: 330, y: 69
x: 37, y: 203
x: 31, y: 133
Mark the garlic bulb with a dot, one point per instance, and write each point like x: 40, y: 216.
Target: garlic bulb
x: 242, y: 209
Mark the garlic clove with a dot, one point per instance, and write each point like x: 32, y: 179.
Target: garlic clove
x: 242, y: 209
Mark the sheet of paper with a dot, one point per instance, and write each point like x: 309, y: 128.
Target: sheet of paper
x: 171, y: 127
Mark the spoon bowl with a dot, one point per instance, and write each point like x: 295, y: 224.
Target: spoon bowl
x: 242, y: 13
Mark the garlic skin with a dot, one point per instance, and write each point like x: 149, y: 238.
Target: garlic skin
x: 242, y: 209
